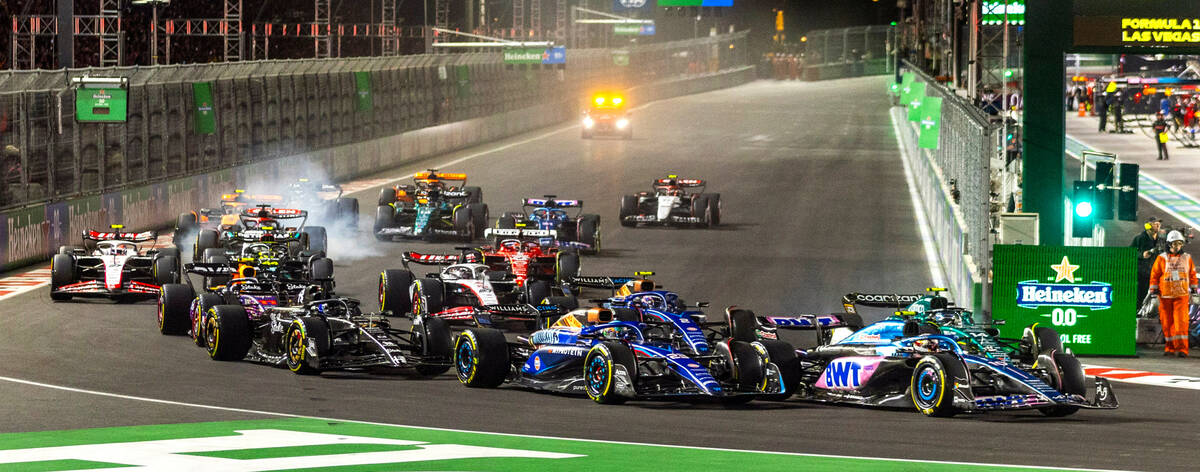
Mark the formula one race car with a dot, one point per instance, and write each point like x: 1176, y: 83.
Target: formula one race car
x: 272, y: 260
x: 607, y: 115
x: 464, y: 293
x: 320, y: 335
x: 581, y: 231
x: 431, y: 207
x: 263, y: 223
x: 324, y: 201
x: 116, y: 266
x: 613, y: 358
x: 932, y: 356
x: 225, y: 217
x: 673, y: 201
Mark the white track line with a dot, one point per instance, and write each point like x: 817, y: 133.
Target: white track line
x: 427, y: 428
x: 935, y: 266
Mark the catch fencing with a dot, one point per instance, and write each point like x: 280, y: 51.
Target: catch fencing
x: 955, y: 186
x: 849, y: 52
x: 271, y: 109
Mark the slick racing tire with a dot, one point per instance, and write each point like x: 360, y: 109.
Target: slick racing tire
x: 1041, y: 340
x: 174, y: 309
x: 321, y: 271
x: 589, y: 232
x: 629, y: 207
x: 427, y: 296
x: 507, y: 220
x: 394, y: 285
x: 387, y: 196
x: 932, y: 384
x: 184, y: 225
x: 227, y: 328
x: 300, y: 334
x: 536, y: 291
x: 464, y: 225
x: 479, y: 219
x: 318, y: 239
x: 170, y: 251
x: 700, y: 210
x: 743, y: 325
x: 434, y: 341
x: 566, y: 266
x: 714, y: 209
x: 474, y: 194
x: 385, y: 217
x: 63, y: 271
x: 204, y: 305
x: 1070, y: 377
x: 599, y: 371
x: 205, y: 240
x: 783, y: 355
x: 747, y: 368
x: 347, y: 212
x: 166, y: 270
x: 481, y: 358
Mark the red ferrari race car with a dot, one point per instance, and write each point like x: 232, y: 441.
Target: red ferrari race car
x: 113, y: 264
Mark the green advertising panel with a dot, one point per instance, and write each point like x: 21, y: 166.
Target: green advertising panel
x: 362, y: 89
x: 523, y: 55
x: 462, y: 74
x: 897, y: 87
x: 916, y: 97
x: 620, y: 57
x: 1087, y: 294
x: 931, y: 122
x: 104, y: 105
x: 206, y: 114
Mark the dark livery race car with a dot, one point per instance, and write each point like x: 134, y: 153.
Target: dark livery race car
x: 581, y: 231
x: 607, y: 115
x: 113, y: 264
x: 436, y: 204
x: 644, y: 345
x: 674, y: 201
x: 932, y: 356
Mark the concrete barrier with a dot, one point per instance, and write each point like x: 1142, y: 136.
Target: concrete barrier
x: 32, y: 234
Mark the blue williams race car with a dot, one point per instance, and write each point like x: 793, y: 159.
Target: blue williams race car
x: 931, y: 356
x: 640, y: 348
x: 578, y: 230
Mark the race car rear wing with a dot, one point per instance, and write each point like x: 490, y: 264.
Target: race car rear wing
x: 276, y: 213
x: 684, y: 183
x: 433, y: 174
x: 612, y: 283
x: 209, y: 269
x: 551, y: 201
x: 430, y: 259
x: 144, y: 236
x: 519, y: 233
x: 877, y: 300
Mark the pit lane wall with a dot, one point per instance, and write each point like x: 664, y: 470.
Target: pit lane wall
x: 31, y: 234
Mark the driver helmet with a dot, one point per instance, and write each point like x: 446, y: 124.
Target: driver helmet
x: 651, y: 301
x: 511, y: 244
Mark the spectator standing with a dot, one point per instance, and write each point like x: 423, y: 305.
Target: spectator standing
x: 1160, y: 137
x: 1118, y: 109
x: 1174, y: 279
x: 1148, y: 244
x: 1102, y: 110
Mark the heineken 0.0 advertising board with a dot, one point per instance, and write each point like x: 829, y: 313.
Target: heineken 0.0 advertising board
x: 100, y: 104
x: 521, y: 55
x: 931, y: 122
x: 1087, y: 294
x: 206, y: 115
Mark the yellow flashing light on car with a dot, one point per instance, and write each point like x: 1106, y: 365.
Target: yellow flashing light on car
x: 599, y: 100
x: 935, y: 289
x: 422, y: 200
x: 617, y: 100
x: 116, y: 226
x: 644, y: 273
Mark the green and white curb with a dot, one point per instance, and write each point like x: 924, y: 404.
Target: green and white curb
x: 1175, y: 202
x: 306, y: 443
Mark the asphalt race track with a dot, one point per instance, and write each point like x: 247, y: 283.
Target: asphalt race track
x: 815, y: 205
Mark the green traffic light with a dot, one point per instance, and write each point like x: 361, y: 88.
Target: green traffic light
x: 1083, y: 209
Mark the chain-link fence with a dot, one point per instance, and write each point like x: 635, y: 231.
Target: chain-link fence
x: 955, y: 185
x: 849, y: 52
x: 270, y: 109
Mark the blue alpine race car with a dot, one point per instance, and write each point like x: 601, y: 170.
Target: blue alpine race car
x: 579, y: 230
x: 931, y: 355
x: 641, y: 345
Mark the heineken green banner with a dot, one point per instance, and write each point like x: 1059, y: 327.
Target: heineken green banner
x: 896, y: 87
x: 100, y: 104
x: 1087, y: 294
x: 206, y: 114
x: 462, y: 74
x: 915, y: 98
x: 930, y: 122
x: 620, y: 57
x: 523, y: 55
x: 362, y: 88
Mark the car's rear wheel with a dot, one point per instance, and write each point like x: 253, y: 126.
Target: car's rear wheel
x: 228, y: 333
x: 700, y: 210
x: 318, y: 239
x: 783, y: 355
x: 394, y: 285
x: 385, y: 217
x: 600, y: 371
x: 205, y: 240
x: 204, y: 305
x: 714, y: 209
x: 166, y: 270
x: 387, y: 196
x: 347, y: 212
x: 629, y: 206
x: 566, y: 267
x: 507, y: 220
x: 481, y: 358
x: 536, y: 291
x: 932, y: 384
x: 474, y: 194
x: 301, y: 333
x: 479, y: 219
x: 427, y: 295
x: 63, y: 271
x: 174, y: 305
x: 589, y: 232
x: 743, y: 325
x: 435, y: 342
x: 464, y: 225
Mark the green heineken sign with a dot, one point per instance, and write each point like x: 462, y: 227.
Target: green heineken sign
x: 362, y: 91
x: 523, y: 55
x: 930, y: 122
x: 620, y: 57
x: 916, y: 97
x: 100, y: 104
x: 206, y: 115
x: 1087, y: 294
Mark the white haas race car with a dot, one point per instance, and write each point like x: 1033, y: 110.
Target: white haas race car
x: 113, y: 265
x: 674, y: 201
